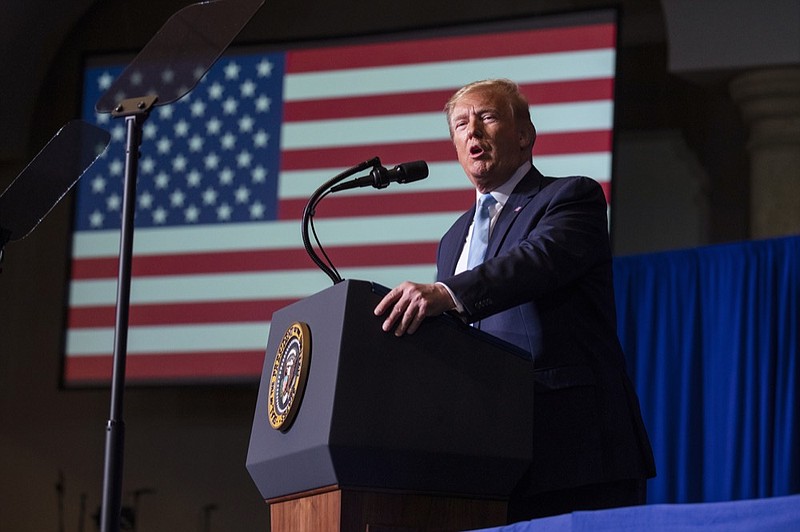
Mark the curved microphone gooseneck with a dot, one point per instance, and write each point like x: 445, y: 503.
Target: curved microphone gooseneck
x: 308, y: 214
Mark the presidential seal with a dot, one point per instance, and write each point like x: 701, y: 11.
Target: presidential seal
x: 288, y: 378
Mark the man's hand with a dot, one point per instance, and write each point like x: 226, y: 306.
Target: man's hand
x: 410, y: 303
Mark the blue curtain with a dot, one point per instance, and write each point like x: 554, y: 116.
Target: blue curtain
x: 711, y: 338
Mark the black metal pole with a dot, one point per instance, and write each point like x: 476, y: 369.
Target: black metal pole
x: 111, y: 508
x: 60, y: 491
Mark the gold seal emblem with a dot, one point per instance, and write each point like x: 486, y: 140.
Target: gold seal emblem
x: 287, y: 381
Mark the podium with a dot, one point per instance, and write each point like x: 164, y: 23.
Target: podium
x: 429, y: 431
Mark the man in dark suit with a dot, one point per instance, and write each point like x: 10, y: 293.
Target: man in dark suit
x: 545, y: 285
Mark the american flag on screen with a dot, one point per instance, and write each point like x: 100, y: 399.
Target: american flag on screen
x: 225, y: 172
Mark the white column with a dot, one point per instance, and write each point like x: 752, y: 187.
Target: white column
x: 770, y: 103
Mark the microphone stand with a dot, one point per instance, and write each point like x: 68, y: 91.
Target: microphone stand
x: 311, y: 206
x: 135, y: 111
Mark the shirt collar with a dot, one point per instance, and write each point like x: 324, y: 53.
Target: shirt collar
x: 502, y: 192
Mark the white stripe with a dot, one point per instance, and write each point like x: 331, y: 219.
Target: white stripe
x: 539, y: 68
x: 363, y: 230
x: 594, y: 165
x: 238, y: 286
x: 422, y: 127
x: 417, y: 127
x: 575, y: 116
x: 174, y: 338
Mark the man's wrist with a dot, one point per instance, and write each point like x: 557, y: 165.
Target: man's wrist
x: 457, y: 306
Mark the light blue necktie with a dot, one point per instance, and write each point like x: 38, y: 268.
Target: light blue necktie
x: 480, y: 231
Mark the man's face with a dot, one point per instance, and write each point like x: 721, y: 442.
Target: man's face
x: 489, y: 144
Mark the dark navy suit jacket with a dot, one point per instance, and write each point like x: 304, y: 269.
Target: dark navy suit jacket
x: 546, y: 286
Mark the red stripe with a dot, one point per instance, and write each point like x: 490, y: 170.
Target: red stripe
x: 309, y: 159
x: 230, y: 365
x: 575, y: 142
x: 435, y: 151
x: 179, y: 313
x: 256, y: 260
x: 606, y: 186
x: 349, y: 107
x: 433, y: 101
x: 535, y: 41
x: 381, y: 204
x: 568, y: 91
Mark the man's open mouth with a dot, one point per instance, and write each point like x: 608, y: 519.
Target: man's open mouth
x: 476, y: 150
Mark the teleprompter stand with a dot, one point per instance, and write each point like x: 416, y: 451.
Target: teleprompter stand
x: 429, y: 431
x: 171, y: 64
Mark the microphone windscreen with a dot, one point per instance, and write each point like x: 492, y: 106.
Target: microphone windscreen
x: 413, y: 171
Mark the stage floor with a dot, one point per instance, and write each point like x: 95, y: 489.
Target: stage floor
x: 776, y: 514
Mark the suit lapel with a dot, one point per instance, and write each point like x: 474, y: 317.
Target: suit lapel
x: 453, y: 243
x: 522, y: 195
x: 451, y: 253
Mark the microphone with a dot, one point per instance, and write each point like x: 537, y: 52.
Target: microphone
x: 380, y: 177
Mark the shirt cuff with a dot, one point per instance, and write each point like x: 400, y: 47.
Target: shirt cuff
x: 459, y: 307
